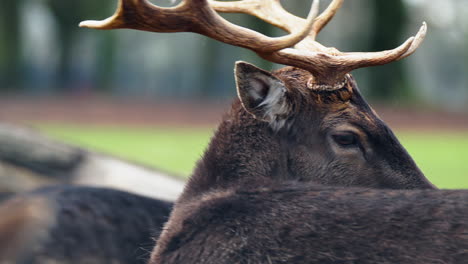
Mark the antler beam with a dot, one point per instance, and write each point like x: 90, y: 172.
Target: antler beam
x: 197, y: 16
x: 328, y: 65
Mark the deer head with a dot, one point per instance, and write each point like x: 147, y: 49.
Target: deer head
x: 305, y: 122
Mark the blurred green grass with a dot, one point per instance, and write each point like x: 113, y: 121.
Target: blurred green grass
x: 174, y: 150
x: 443, y: 156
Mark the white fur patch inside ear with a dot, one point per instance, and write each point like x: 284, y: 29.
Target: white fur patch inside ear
x: 274, y: 104
x: 258, y: 89
x: 262, y: 94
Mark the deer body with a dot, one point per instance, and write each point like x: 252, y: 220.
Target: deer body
x: 71, y: 225
x: 307, y: 223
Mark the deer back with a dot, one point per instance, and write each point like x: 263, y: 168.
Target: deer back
x: 317, y: 224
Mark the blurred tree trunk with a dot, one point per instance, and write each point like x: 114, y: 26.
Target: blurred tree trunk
x: 64, y: 72
x: 68, y: 15
x: 210, y: 59
x: 107, y: 48
x: 10, y: 65
x: 390, y: 20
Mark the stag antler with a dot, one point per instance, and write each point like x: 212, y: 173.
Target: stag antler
x: 197, y: 16
x: 327, y: 65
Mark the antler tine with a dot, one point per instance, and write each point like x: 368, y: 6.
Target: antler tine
x: 356, y: 60
x: 327, y: 15
x: 245, y: 6
x: 197, y: 16
x: 418, y: 40
x: 367, y: 59
x: 270, y: 11
x: 330, y: 69
x: 132, y: 14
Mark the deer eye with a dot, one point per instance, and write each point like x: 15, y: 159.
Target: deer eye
x: 345, y: 139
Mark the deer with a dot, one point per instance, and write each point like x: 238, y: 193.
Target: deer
x: 295, y: 125
x: 79, y: 224
x: 305, y: 122
x: 262, y: 191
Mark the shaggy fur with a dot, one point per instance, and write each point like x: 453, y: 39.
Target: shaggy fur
x: 247, y: 151
x: 258, y: 194
x: 257, y: 144
x: 71, y: 225
x: 319, y: 224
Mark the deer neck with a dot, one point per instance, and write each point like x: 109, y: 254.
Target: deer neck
x: 243, y: 152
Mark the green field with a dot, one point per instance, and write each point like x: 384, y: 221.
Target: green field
x: 443, y: 157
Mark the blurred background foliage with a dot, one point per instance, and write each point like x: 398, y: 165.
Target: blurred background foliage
x: 44, y: 52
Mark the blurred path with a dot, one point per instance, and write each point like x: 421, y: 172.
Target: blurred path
x: 150, y: 113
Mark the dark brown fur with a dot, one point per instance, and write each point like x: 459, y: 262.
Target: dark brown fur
x: 258, y: 194
x: 19, y: 218
x: 76, y: 225
x: 246, y: 151
x: 318, y: 224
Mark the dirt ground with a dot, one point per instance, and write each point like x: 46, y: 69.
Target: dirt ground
x: 98, y: 110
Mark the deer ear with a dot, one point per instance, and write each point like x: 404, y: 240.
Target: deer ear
x: 262, y: 94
